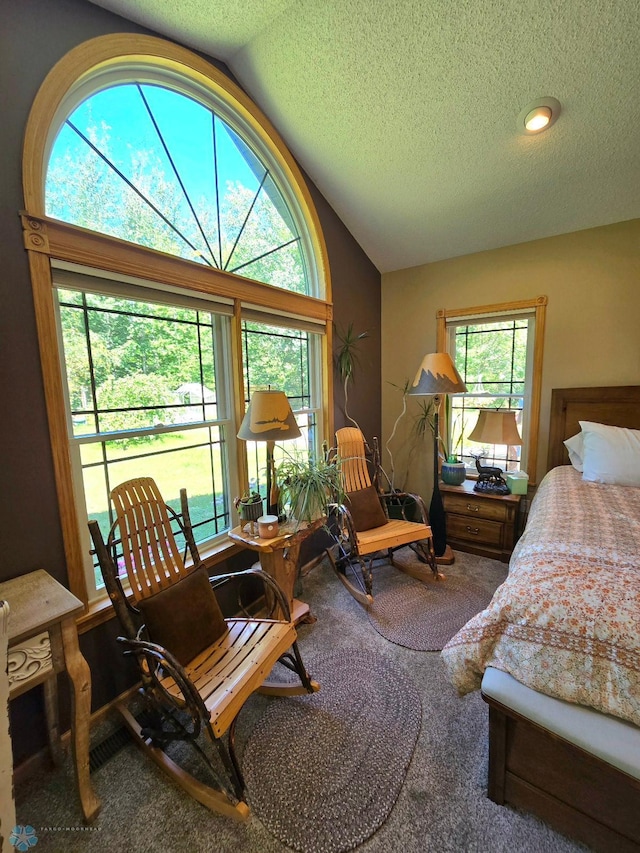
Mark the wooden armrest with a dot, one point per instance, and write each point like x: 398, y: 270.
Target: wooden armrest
x: 389, y: 497
x: 343, y: 511
x: 156, y: 655
x: 267, y: 581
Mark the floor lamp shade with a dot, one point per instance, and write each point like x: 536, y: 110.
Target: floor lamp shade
x: 437, y: 375
x: 269, y: 418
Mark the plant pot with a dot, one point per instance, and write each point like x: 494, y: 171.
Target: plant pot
x: 404, y: 508
x: 251, y: 511
x: 308, y: 507
x: 453, y: 473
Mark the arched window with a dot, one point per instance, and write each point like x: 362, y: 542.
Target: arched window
x: 152, y: 165
x: 178, y: 265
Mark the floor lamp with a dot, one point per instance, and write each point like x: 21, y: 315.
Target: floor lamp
x: 269, y: 418
x: 437, y: 376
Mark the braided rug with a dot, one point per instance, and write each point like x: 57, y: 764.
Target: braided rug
x: 324, y: 771
x: 424, y: 615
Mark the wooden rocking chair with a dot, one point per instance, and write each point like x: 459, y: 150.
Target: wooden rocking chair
x: 372, y: 525
x: 197, y: 668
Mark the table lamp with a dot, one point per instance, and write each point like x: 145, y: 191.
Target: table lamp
x: 269, y: 418
x: 494, y: 426
x: 437, y: 376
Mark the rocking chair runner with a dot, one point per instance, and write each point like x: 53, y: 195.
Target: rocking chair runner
x: 362, y: 527
x: 197, y: 668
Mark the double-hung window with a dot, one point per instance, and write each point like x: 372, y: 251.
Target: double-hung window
x: 147, y: 393
x: 294, y: 355
x: 498, y: 352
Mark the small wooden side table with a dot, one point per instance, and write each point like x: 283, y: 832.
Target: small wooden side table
x: 43, y: 641
x: 480, y: 522
x: 279, y: 559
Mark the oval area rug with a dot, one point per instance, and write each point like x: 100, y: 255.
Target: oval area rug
x: 425, y: 616
x: 324, y: 771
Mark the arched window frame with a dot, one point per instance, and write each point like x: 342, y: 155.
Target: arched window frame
x: 88, y: 68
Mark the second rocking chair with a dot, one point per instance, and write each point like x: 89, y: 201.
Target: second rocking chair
x: 364, y: 527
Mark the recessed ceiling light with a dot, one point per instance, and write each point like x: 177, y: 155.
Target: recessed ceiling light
x: 538, y: 115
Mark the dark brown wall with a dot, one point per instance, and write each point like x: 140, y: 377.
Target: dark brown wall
x: 356, y: 299
x: 34, y: 35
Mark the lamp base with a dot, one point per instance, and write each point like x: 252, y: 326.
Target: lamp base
x: 495, y: 486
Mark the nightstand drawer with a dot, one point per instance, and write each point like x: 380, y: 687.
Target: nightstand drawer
x: 474, y: 530
x: 474, y: 507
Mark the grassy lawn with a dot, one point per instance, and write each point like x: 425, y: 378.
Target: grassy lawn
x: 174, y: 463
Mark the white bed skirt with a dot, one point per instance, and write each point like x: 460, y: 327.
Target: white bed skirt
x: 609, y: 738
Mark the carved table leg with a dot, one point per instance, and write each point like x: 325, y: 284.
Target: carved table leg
x: 50, y: 687
x: 80, y: 678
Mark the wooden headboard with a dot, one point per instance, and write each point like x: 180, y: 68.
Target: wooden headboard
x: 616, y: 405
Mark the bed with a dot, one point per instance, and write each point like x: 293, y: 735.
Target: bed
x: 557, y: 652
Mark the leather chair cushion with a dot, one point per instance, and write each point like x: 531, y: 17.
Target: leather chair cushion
x: 185, y: 617
x: 366, y: 509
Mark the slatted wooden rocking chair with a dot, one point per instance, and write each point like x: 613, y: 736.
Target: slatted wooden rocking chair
x: 371, y: 524
x: 197, y: 668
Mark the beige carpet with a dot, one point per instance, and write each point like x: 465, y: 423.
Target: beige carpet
x: 442, y: 806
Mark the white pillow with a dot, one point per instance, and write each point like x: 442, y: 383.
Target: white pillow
x: 611, y: 454
x: 575, y: 446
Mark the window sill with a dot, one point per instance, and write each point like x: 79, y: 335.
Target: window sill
x: 100, y: 610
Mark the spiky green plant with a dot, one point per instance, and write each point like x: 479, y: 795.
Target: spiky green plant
x: 346, y: 360
x: 309, y: 483
x: 392, y: 471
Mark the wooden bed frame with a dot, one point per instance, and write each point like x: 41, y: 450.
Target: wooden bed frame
x: 529, y: 767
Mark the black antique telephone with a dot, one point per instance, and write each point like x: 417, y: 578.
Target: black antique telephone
x: 490, y: 480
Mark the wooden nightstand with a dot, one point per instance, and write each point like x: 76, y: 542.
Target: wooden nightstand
x: 480, y: 523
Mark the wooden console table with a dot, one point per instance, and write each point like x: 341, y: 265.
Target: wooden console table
x: 43, y: 641
x: 279, y: 558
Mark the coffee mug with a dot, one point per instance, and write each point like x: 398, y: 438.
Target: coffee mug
x: 268, y: 526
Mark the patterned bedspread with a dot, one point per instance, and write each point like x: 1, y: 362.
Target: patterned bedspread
x: 566, y: 622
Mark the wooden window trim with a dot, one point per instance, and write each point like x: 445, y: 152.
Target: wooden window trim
x: 539, y: 307
x: 46, y: 239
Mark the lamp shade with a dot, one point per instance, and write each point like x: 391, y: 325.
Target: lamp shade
x: 437, y: 374
x: 496, y: 426
x: 269, y: 418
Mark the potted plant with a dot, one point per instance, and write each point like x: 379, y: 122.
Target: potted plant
x: 309, y: 483
x: 453, y: 470
x: 249, y: 507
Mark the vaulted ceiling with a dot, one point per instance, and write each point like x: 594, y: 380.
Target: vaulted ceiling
x: 404, y: 112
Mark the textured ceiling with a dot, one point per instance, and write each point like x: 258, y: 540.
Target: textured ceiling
x: 404, y: 112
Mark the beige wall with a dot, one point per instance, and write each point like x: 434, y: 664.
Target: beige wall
x: 592, y: 280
